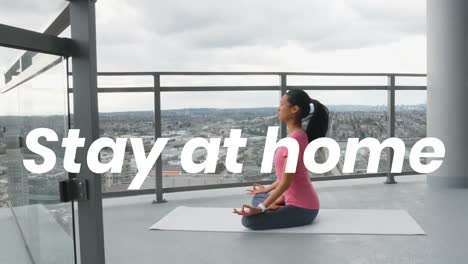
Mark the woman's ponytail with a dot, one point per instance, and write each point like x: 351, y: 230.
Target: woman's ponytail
x: 318, y: 121
x: 317, y: 125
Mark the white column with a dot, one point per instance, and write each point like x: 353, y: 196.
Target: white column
x: 447, y: 88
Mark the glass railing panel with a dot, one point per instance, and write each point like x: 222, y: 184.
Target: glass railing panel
x: 219, y: 80
x: 187, y: 115
x: 126, y: 115
x: 411, y: 80
x: 337, y: 80
x: 38, y: 101
x: 410, y: 119
x: 354, y: 114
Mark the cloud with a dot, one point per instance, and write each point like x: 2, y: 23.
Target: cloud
x: 397, y: 16
x: 255, y: 35
x: 30, y: 14
x: 222, y: 35
x: 318, y: 25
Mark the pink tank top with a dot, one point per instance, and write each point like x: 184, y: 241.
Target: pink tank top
x: 301, y: 192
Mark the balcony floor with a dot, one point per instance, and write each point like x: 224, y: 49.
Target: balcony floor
x: 443, y: 214
x: 12, y: 247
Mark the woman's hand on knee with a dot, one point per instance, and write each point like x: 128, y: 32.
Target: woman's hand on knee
x: 248, y: 210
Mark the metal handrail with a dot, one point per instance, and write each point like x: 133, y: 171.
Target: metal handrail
x: 184, y: 73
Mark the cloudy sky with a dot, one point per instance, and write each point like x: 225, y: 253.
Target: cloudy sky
x: 244, y: 35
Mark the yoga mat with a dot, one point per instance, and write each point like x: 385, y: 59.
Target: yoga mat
x: 328, y: 221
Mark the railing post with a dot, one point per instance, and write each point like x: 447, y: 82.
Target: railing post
x: 158, y: 134
x: 391, y: 126
x: 283, y: 90
x: 86, y: 118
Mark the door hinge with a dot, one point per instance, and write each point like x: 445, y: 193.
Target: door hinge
x: 73, y: 190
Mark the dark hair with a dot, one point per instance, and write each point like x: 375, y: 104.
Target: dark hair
x: 318, y: 120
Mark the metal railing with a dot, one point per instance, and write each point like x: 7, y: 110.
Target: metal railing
x: 282, y: 88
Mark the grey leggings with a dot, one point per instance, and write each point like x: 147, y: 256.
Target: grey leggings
x: 286, y: 216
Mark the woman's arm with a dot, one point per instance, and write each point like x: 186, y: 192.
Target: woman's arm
x: 271, y: 187
x: 280, y: 188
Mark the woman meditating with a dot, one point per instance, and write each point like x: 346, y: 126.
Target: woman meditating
x: 291, y: 200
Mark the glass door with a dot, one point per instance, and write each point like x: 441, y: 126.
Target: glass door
x: 39, y: 227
